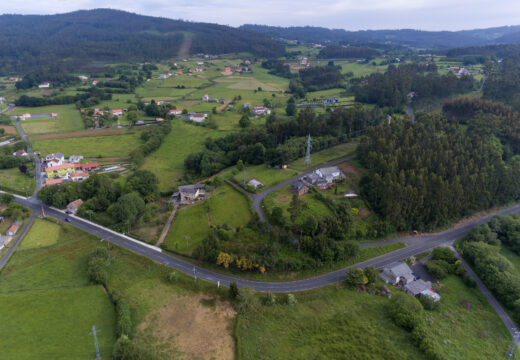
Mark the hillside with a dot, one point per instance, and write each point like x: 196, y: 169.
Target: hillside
x: 408, y: 37
x: 112, y: 35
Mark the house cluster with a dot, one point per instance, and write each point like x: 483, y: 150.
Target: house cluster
x: 58, y: 170
x: 327, y: 101
x: 26, y: 116
x: 13, y: 229
x: 399, y: 274
x: 114, y: 112
x: 188, y: 194
x: 257, y: 110
x: 322, y: 178
x: 459, y: 71
x: 20, y: 152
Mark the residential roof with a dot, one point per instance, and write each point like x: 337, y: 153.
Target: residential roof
x: 417, y: 287
x: 80, y: 174
x: 298, y: 185
x: 86, y: 166
x: 50, y: 182
x: 255, y: 183
x: 398, y: 269
x: 330, y: 171
x: 190, y: 188
x: 76, y: 203
x: 59, y: 167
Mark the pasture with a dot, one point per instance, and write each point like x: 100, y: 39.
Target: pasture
x: 91, y: 146
x: 69, y: 119
x: 13, y: 180
x: 43, y: 233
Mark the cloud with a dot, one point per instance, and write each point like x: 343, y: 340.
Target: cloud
x: 346, y: 14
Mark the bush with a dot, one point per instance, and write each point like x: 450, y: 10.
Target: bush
x: 443, y: 253
x: 428, y: 303
x: 126, y: 349
x: 270, y: 299
x: 6, y: 198
x: 371, y: 274
x: 124, y: 320
x: 439, y: 269
x: 355, y: 277
x: 98, y: 262
x: 404, y: 310
x: 233, y: 290
x: 172, y: 276
x: 247, y: 301
x: 469, y: 281
x: 291, y: 300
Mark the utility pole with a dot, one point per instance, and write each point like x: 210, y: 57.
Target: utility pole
x: 308, y: 153
x: 98, y: 355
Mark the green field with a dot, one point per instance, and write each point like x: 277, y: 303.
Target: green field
x: 14, y: 180
x: 43, y: 233
x: 168, y: 161
x: 326, y: 155
x: 360, y: 69
x: 333, y: 323
x: 229, y: 206
x: 91, y: 146
x: 191, y: 222
x: 267, y: 176
x: 48, y: 309
x: 69, y: 119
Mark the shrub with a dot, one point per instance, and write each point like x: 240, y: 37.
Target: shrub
x: 404, y: 310
x: 124, y: 320
x: 247, y: 301
x: 233, y: 290
x: 291, y: 300
x: 270, y: 299
x: 355, y: 277
x: 443, y: 253
x: 439, y: 269
x: 371, y: 274
x: 428, y: 303
x: 98, y: 262
x: 469, y: 281
x: 172, y: 276
x: 126, y: 349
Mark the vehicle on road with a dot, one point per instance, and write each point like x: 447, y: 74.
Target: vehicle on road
x: 68, y: 219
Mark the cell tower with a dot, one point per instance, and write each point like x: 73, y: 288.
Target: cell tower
x: 308, y: 153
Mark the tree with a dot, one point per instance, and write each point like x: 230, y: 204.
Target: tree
x: 295, y: 207
x: 145, y: 183
x: 290, y: 109
x: 240, y: 165
x: 277, y: 216
x: 128, y: 207
x: 233, y: 290
x: 244, y: 121
x: 131, y: 116
x: 371, y: 274
x: 405, y: 310
x: 356, y: 277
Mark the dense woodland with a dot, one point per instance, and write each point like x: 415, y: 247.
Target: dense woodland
x: 347, y: 52
x: 503, y: 82
x: 434, y: 171
x: 111, y: 35
x: 392, y: 87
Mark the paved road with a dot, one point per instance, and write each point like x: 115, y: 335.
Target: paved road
x: 417, y: 245
x: 13, y: 247
x: 257, y: 198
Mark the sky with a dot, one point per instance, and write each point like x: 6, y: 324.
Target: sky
x: 337, y: 14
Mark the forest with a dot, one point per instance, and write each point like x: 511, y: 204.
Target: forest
x: 424, y: 175
x: 347, y: 52
x: 111, y: 35
x: 392, y: 88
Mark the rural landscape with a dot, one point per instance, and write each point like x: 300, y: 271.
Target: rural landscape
x: 176, y: 189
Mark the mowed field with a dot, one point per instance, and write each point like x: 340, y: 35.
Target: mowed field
x: 332, y: 323
x: 14, y: 180
x: 225, y: 206
x: 168, y: 161
x: 91, y: 146
x: 69, y: 119
x: 47, y: 308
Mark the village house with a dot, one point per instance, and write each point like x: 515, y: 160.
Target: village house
x: 55, y: 159
x: 255, y: 183
x: 44, y: 85
x: 14, y: 228
x: 20, y: 153
x: 261, y: 110
x: 159, y: 119
x: 79, y: 176
x: 94, y: 82
x: 299, y: 188
x: 83, y: 77
x: 196, y: 117
x: 175, y: 112
x: 351, y: 194
x: 323, y: 178
x: 87, y: 167
x: 205, y: 97
x: 187, y: 194
x: 26, y: 116
x: 75, y: 159
x: 73, y: 207
x: 117, y: 112
x: 397, y: 273
x: 421, y: 288
x: 59, y: 171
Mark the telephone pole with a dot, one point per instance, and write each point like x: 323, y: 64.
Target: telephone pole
x: 98, y: 355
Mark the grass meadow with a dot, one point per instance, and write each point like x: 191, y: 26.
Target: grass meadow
x: 69, y: 119
x: 13, y: 180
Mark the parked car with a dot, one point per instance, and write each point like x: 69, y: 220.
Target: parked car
x: 68, y: 219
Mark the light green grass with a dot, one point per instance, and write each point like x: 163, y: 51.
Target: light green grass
x: 55, y: 323
x: 43, y: 233
x: 325, y: 156
x: 267, y: 176
x: 191, y: 221
x: 360, y: 69
x: 229, y: 206
x: 167, y: 163
x: 69, y: 119
x: 14, y: 180
x: 93, y: 146
x: 335, y: 323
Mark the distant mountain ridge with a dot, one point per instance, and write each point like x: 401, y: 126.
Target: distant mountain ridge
x: 408, y: 37
x: 105, y: 34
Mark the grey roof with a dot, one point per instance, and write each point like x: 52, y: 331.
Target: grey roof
x: 418, y: 286
x: 190, y: 188
x: 329, y: 171
x: 298, y: 185
x: 399, y: 269
x: 255, y: 183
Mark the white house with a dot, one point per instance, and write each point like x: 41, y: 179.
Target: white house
x: 205, y: 97
x: 255, y: 183
x: 20, y: 153
x: 44, y: 85
x: 198, y: 117
x: 117, y: 112
x: 83, y: 77
x: 75, y: 159
x: 175, y: 112
x: 55, y: 159
x: 261, y: 110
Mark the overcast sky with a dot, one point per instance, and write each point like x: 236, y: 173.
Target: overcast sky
x: 345, y: 14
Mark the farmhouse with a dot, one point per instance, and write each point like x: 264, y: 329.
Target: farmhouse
x: 26, y: 116
x: 197, y: 117
x: 86, y: 167
x: 83, y: 77
x: 14, y: 228
x: 73, y: 207
x: 75, y: 159
x: 397, y: 273
x: 44, y: 85
x: 20, y: 153
x: 299, y: 188
x: 205, y: 97
x: 117, y: 112
x: 175, y: 112
x: 187, y: 194
x: 324, y: 177
x: 255, y: 183
x: 79, y: 176
x: 94, y: 82
x: 55, y: 159
x: 59, y: 171
x: 261, y: 110
x: 421, y: 288
x: 350, y: 194
x: 159, y: 119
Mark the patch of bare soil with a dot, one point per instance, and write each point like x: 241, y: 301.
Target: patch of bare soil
x: 198, y: 331
x: 190, y: 103
x: 223, y: 106
x: 349, y: 169
x: 283, y: 199
x: 8, y: 129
